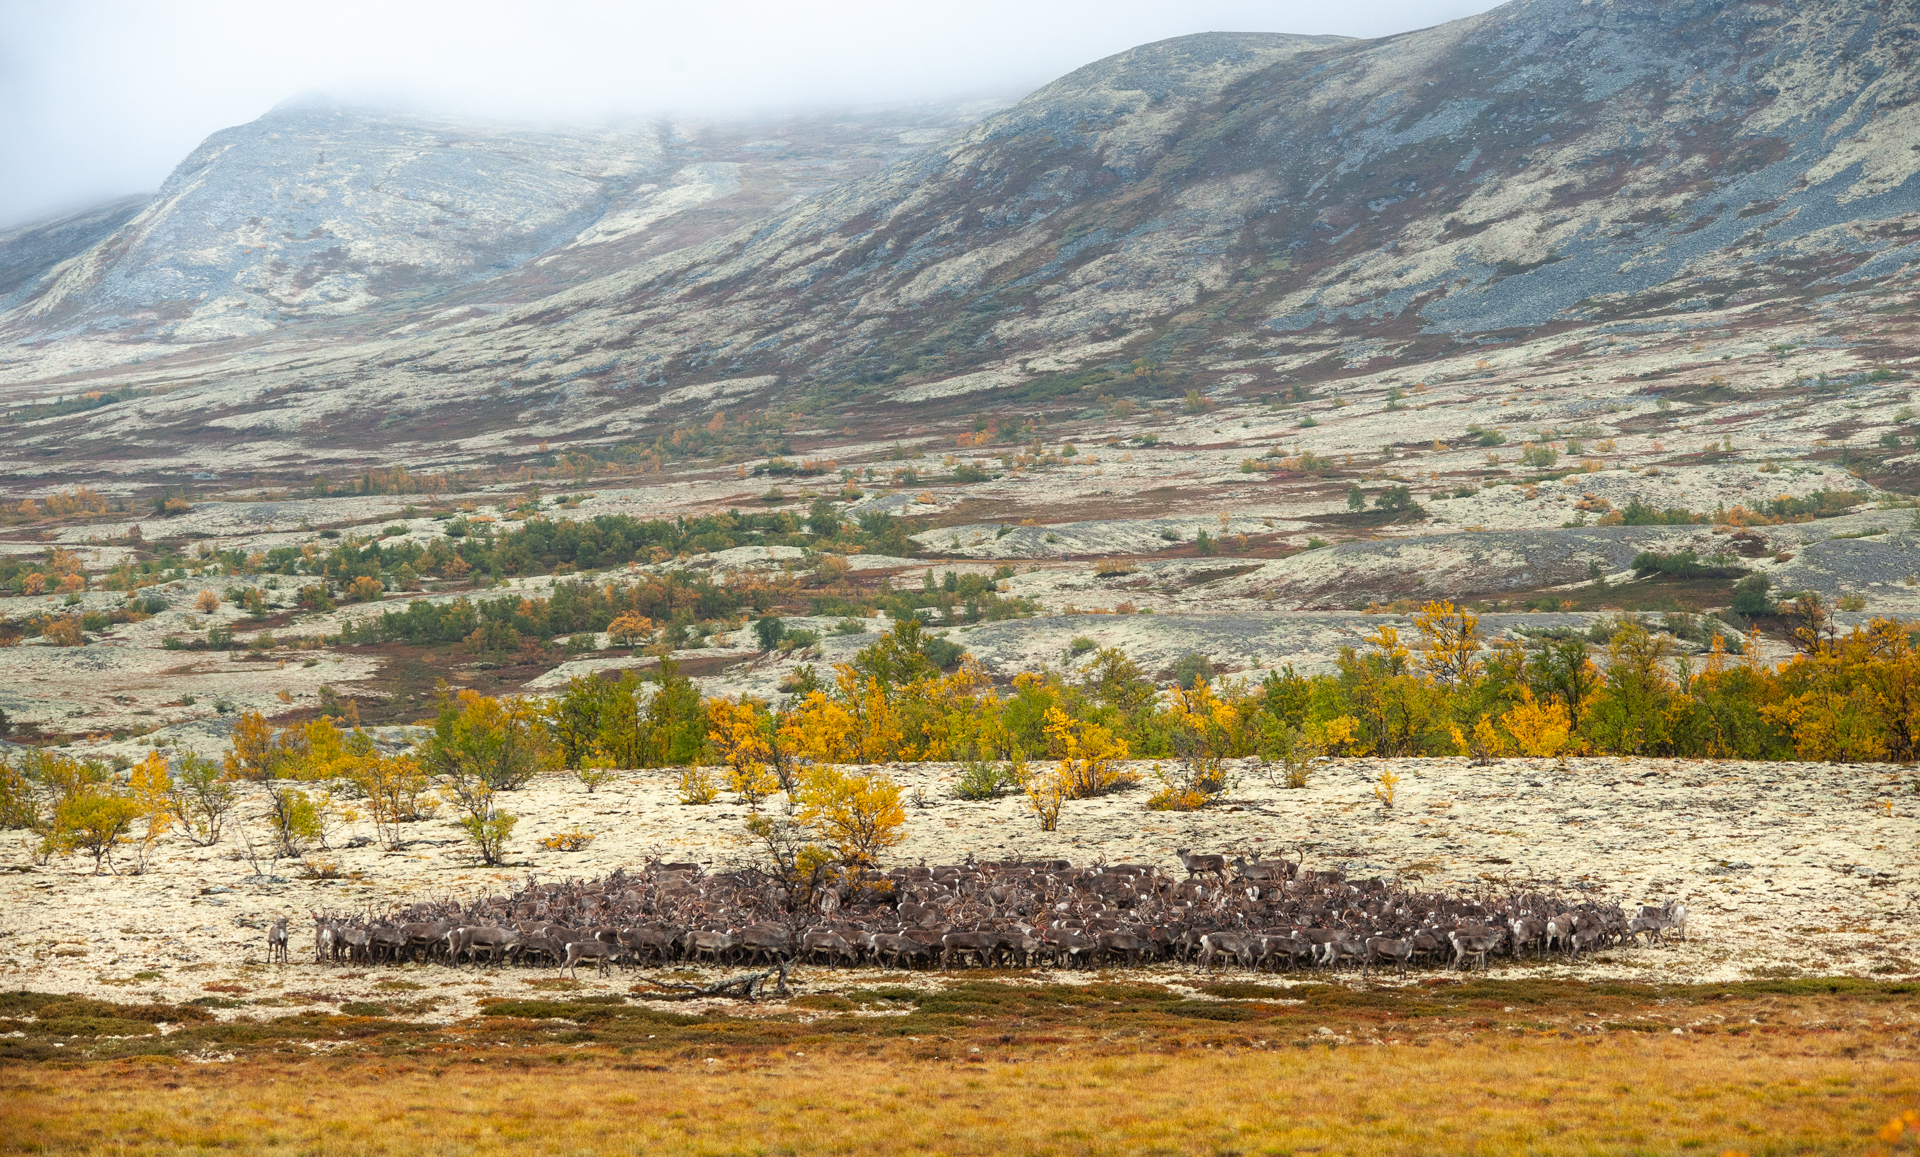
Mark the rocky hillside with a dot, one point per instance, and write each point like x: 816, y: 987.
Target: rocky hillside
x: 323, y: 212
x: 1550, y: 163
x: 1246, y: 212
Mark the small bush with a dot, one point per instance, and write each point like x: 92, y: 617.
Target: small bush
x: 982, y: 779
x: 1637, y: 513
x: 697, y: 786
x: 1191, y: 668
x: 1686, y: 564
x: 1086, y: 752
x: 319, y: 868
x: 488, y: 832
x: 858, y: 816
x: 1397, y: 499
x: 944, y: 653
x: 295, y: 819
x: 1172, y: 798
x: 573, y: 840
x: 769, y: 631
x: 1750, y: 595
x: 200, y: 797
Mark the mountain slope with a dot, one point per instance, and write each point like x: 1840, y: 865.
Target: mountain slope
x: 1551, y: 161
x: 322, y: 212
x: 27, y: 252
x: 1243, y: 210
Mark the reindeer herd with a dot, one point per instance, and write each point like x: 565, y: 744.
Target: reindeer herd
x: 1255, y: 914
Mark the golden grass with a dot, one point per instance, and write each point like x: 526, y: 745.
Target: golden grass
x: 1618, y: 1093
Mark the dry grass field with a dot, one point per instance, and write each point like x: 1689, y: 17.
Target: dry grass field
x: 1002, y: 1065
x: 1623, y: 1093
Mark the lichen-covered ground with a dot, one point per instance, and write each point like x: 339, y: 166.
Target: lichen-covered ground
x: 1788, y: 869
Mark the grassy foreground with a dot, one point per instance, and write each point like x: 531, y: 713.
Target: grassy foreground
x: 1631, y: 1093
x: 996, y: 1067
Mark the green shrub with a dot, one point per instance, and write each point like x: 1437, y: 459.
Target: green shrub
x: 1686, y: 564
x: 944, y: 653
x: 1191, y: 668
x: 981, y: 779
x: 1397, y: 499
x: 1638, y: 513
x: 1750, y: 595
x: 769, y: 631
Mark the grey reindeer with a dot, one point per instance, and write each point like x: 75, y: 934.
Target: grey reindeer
x: 277, y: 952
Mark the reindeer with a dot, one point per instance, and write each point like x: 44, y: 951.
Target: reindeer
x: 499, y: 943
x: 1528, y: 932
x: 1383, y: 948
x: 326, y: 944
x: 1559, y: 931
x: 1259, y: 873
x: 1202, y: 865
x: 974, y: 945
x: 768, y: 940
x: 1677, y: 917
x: 816, y: 942
x: 1028, y: 914
x: 1344, y: 944
x: 710, y: 943
x: 424, y: 936
x: 640, y: 941
x: 900, y: 949
x: 598, y: 951
x: 1225, y: 945
x: 1124, y: 945
x: 277, y: 941
x: 1583, y: 941
x: 1474, y: 942
x: 356, y: 940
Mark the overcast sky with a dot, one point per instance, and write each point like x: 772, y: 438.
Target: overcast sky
x: 99, y: 99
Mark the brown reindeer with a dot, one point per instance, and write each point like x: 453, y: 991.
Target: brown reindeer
x: 1383, y: 948
x: 598, y: 951
x: 1202, y: 865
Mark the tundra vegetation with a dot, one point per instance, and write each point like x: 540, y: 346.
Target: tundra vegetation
x: 1483, y: 1065
x: 1672, y: 441
x: 1848, y: 696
